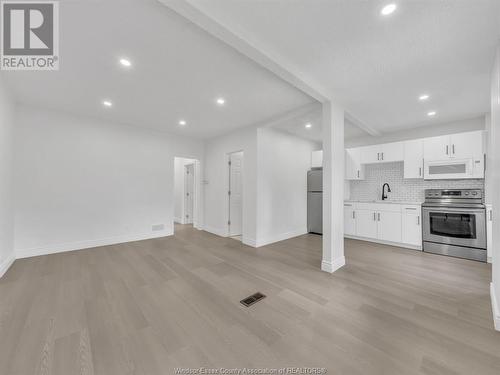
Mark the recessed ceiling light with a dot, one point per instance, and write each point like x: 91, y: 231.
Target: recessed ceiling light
x: 182, y: 122
x: 431, y: 113
x: 423, y: 97
x: 388, y: 9
x: 308, y: 125
x: 125, y: 62
x: 107, y: 103
x: 221, y: 101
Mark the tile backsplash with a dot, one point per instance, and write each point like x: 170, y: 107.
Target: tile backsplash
x: 401, y: 189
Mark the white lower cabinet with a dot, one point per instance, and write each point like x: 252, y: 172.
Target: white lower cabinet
x: 384, y: 222
x: 389, y: 226
x: 349, y: 219
x: 366, y: 223
x: 411, y: 225
x: 489, y: 234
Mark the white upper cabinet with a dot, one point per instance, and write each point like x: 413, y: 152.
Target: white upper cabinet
x: 383, y: 153
x: 460, y: 146
x: 414, y: 159
x: 354, y: 170
x: 437, y: 148
x: 317, y: 159
x: 466, y: 145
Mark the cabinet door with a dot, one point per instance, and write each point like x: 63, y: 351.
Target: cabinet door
x: 317, y: 159
x: 349, y: 220
x: 354, y: 170
x: 412, y: 225
x: 414, y: 159
x: 389, y: 226
x: 489, y: 234
x: 466, y: 145
x: 391, y: 152
x: 437, y: 148
x: 366, y: 224
x: 369, y: 154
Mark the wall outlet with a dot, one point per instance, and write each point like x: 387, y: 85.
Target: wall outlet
x: 157, y: 227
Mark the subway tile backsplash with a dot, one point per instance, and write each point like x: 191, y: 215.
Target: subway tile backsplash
x: 401, y: 189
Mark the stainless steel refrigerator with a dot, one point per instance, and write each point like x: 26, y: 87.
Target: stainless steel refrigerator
x: 315, y: 201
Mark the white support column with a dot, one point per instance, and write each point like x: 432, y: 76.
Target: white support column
x: 333, y: 187
x: 494, y: 176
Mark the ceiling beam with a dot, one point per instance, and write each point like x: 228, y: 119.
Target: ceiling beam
x: 262, y: 55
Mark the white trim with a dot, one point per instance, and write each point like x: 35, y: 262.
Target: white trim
x: 72, y: 246
x: 5, y: 265
x: 249, y: 241
x: 217, y: 231
x: 281, y: 237
x: 390, y: 243
x: 331, y: 267
x: 489, y: 260
x: 495, y: 307
x: 178, y: 220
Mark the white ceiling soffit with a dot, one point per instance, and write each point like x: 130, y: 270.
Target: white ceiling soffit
x: 250, y: 47
x: 177, y: 72
x: 376, y: 66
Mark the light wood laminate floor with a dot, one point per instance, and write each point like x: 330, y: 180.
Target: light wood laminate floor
x: 151, y: 306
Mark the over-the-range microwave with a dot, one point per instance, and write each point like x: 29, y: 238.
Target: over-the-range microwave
x: 453, y: 169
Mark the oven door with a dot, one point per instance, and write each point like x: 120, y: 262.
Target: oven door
x: 455, y: 226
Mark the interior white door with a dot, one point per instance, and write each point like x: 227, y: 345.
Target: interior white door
x: 188, y: 193
x: 235, y: 194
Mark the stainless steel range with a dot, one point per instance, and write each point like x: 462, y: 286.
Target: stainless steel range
x: 454, y: 223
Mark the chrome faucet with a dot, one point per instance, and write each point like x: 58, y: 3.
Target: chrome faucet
x: 384, y: 194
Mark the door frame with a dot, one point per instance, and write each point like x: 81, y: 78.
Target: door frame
x: 227, y: 186
x: 184, y: 190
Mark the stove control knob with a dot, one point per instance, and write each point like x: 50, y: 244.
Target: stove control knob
x: 474, y: 193
x: 467, y: 193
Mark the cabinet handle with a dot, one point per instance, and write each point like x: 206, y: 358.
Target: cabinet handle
x: 358, y: 173
x: 420, y: 172
x: 491, y: 215
x: 453, y: 149
x: 354, y: 214
x: 418, y: 220
x: 378, y: 155
x: 446, y: 149
x: 379, y: 216
x: 374, y: 216
x: 382, y: 156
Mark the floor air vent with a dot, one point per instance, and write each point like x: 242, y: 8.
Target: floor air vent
x: 254, y: 298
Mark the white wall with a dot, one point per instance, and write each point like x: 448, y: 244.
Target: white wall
x: 216, y: 182
x: 283, y: 162
x: 82, y: 182
x: 179, y: 164
x: 477, y: 123
x: 6, y: 191
x: 495, y: 176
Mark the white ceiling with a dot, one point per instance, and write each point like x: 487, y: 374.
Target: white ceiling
x: 296, y: 126
x: 378, y: 66
x: 178, y: 71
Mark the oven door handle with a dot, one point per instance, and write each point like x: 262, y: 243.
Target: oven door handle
x: 454, y: 210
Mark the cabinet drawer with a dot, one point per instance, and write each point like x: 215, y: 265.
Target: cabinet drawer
x: 383, y: 207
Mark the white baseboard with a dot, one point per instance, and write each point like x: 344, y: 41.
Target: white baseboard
x: 495, y: 307
x: 178, y: 220
x: 382, y: 242
x: 249, y: 241
x: 489, y: 260
x: 5, y: 265
x: 71, y: 246
x: 217, y: 231
x: 281, y: 237
x: 332, y: 266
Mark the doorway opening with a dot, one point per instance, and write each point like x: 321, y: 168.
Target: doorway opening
x: 186, y: 193
x: 235, y: 195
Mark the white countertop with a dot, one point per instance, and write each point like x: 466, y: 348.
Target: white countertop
x: 387, y: 201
